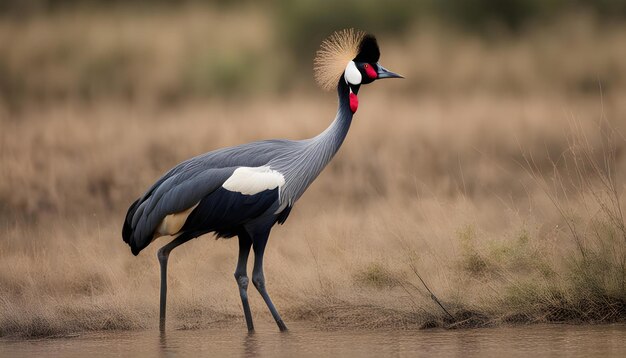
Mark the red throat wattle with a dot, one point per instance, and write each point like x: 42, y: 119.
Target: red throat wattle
x: 354, y: 102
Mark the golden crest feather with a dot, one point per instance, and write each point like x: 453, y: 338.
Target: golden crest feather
x: 334, y: 54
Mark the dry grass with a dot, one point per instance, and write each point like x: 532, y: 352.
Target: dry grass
x: 506, y: 202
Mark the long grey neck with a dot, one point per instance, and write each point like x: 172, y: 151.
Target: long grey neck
x: 309, y: 157
x: 329, y: 141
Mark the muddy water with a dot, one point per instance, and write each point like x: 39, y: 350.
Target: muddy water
x: 303, y: 341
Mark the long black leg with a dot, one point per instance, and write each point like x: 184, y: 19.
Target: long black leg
x: 163, y: 254
x: 258, y: 279
x: 241, y: 275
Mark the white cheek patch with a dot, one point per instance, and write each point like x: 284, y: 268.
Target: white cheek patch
x: 253, y: 180
x: 352, y: 74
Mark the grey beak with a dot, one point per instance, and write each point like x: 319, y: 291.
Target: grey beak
x: 384, y: 73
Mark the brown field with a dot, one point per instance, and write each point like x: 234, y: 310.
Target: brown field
x: 495, y: 172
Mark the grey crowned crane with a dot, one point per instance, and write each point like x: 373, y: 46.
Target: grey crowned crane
x: 245, y: 190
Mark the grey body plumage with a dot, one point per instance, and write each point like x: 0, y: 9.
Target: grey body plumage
x: 299, y: 161
x: 244, y: 190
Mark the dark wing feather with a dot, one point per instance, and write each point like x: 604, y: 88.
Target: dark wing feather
x: 171, y: 196
x: 226, y: 212
x: 190, y: 181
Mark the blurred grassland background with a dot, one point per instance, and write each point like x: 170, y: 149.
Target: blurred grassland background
x: 495, y: 170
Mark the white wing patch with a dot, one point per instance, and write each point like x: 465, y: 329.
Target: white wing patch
x: 253, y: 180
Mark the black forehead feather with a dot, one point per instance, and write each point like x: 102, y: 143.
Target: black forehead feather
x: 368, y: 50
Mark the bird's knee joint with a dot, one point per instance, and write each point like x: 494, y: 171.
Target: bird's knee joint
x: 242, y: 280
x: 162, y: 255
x: 259, y: 282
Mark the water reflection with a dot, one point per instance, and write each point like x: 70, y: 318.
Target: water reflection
x: 250, y: 345
x: 303, y: 341
x: 163, y: 344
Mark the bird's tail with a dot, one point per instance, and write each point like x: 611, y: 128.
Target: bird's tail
x: 127, y: 230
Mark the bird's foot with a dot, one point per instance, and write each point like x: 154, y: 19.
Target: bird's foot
x: 281, y: 326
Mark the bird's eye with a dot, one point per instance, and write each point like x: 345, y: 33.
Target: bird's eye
x: 370, y: 71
